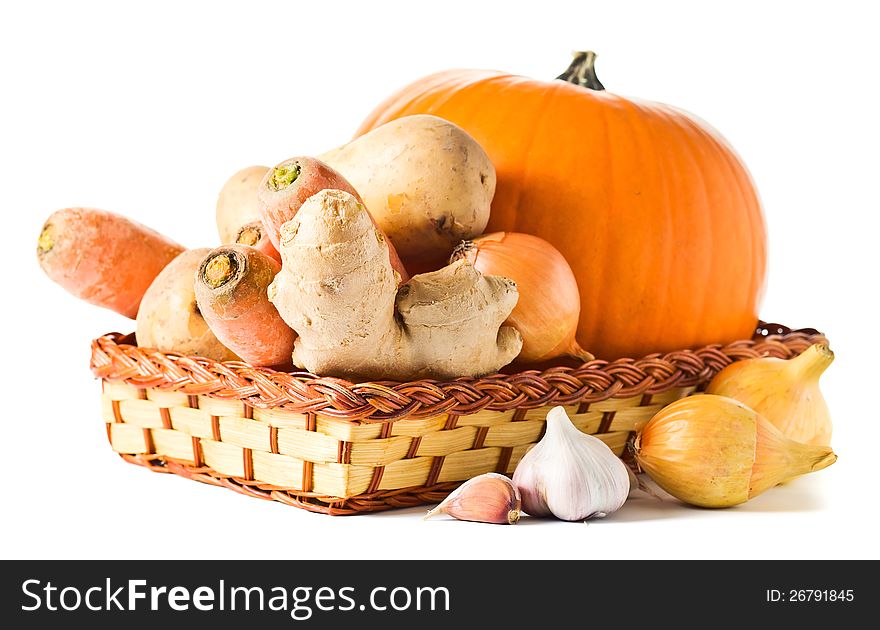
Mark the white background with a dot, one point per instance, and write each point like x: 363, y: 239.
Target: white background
x: 146, y: 109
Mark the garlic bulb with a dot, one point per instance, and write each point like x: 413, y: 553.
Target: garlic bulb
x: 569, y: 474
x: 487, y: 498
x: 785, y: 392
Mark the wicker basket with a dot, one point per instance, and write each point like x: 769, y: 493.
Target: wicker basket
x: 331, y: 446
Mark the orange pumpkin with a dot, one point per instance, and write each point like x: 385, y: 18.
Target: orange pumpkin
x: 655, y: 213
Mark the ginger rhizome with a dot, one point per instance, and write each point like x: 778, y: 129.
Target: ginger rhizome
x: 338, y: 290
x: 287, y: 186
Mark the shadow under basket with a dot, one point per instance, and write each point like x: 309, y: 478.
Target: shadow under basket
x: 332, y: 446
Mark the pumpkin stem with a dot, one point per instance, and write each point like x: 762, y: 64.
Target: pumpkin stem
x: 582, y: 72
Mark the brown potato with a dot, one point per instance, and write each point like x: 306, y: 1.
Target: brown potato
x: 169, y: 318
x: 427, y: 183
x: 237, y: 203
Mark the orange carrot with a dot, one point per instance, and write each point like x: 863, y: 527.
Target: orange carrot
x: 102, y: 257
x: 254, y: 235
x: 231, y: 292
x: 285, y: 188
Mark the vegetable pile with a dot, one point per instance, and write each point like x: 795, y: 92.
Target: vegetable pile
x: 654, y: 211
x: 479, y: 220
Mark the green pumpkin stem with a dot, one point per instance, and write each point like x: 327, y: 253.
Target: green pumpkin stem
x: 582, y: 71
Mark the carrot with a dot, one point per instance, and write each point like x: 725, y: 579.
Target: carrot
x: 285, y: 188
x: 230, y: 289
x: 102, y: 257
x: 254, y: 235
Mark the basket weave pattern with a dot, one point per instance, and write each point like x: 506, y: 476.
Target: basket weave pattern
x: 328, y: 445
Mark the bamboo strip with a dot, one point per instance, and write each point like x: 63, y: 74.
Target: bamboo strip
x: 172, y: 443
x: 167, y: 399
x: 333, y: 480
x: 224, y: 458
x: 631, y: 419
x: 418, y: 427
x: 616, y: 441
x: 127, y: 438
x: 280, y: 418
x: 194, y: 422
x: 446, y: 442
x: 251, y: 434
x: 671, y: 395
x: 588, y: 422
x: 616, y: 404
x: 466, y: 464
x: 278, y: 470
x: 347, y: 431
x: 120, y: 390
x: 485, y: 418
x: 406, y: 473
x: 221, y: 406
x: 514, y: 434
x: 307, y: 445
x: 107, y: 414
x: 142, y: 413
x: 541, y: 412
x: 515, y: 456
x: 380, y: 452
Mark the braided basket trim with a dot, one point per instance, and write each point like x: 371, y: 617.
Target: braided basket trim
x: 115, y: 357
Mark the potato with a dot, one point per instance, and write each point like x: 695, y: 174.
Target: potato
x: 425, y: 181
x: 169, y: 318
x: 237, y: 203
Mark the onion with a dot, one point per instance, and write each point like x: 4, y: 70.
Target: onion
x: 546, y: 314
x: 713, y: 451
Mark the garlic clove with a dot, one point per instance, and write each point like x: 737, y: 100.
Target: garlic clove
x: 488, y: 498
x: 570, y: 475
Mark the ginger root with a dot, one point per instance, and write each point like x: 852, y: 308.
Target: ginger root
x: 338, y: 291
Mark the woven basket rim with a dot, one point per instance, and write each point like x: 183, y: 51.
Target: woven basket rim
x: 116, y: 357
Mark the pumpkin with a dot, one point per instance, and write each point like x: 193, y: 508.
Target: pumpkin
x: 655, y: 213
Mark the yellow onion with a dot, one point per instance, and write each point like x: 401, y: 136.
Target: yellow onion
x: 785, y: 392
x: 713, y: 451
x: 549, y: 302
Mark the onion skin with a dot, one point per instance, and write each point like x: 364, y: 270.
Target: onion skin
x: 549, y: 302
x: 785, y: 391
x: 713, y: 451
